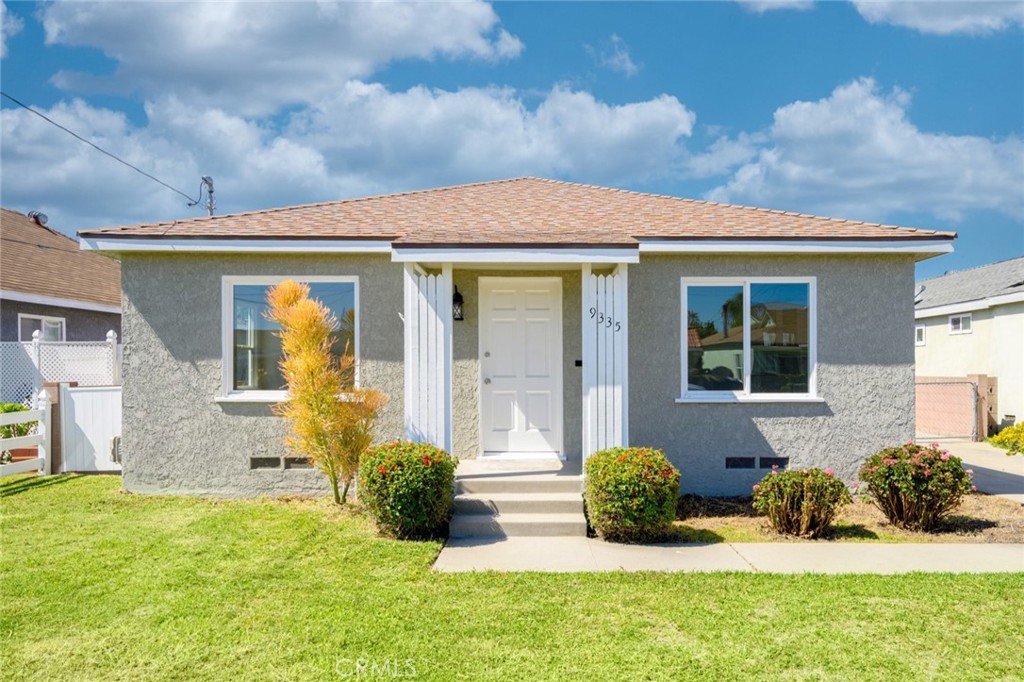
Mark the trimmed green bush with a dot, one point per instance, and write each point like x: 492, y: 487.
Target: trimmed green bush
x: 631, y: 494
x: 802, y: 502
x: 14, y: 430
x: 914, y: 485
x: 408, y: 488
x: 1010, y: 439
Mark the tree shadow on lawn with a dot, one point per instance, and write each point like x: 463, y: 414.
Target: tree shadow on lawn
x: 849, y: 531
x: 22, y: 484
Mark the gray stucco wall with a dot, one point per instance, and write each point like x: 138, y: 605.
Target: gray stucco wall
x: 79, y: 325
x: 865, y: 371
x: 176, y: 439
x: 466, y: 361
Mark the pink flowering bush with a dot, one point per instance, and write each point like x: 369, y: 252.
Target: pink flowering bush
x: 914, y: 485
x: 801, y: 502
x: 631, y: 494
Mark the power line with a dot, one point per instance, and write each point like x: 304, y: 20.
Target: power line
x: 100, y: 149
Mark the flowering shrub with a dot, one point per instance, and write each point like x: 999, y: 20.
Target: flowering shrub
x: 915, y: 486
x: 631, y: 494
x: 1010, y: 439
x: 801, y: 502
x: 408, y: 487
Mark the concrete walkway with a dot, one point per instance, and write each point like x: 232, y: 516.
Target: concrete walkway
x: 569, y: 555
x: 994, y: 472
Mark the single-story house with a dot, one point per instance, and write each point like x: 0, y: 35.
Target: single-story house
x: 526, y: 318
x: 972, y: 322
x: 49, y: 285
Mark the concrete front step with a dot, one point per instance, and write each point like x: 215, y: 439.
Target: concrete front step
x: 517, y: 525
x: 518, y: 484
x: 519, y: 503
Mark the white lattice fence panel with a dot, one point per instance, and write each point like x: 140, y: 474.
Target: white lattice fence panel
x: 88, y: 363
x: 18, y: 375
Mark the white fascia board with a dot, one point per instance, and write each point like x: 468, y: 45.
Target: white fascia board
x: 58, y: 302
x: 784, y: 246
x: 512, y: 256
x: 125, y: 244
x: 969, y: 306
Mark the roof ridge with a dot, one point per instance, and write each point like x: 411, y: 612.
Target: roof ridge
x: 950, y: 273
x: 314, y: 204
x: 756, y: 209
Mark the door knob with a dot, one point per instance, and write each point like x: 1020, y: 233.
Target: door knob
x: 487, y: 381
x: 487, y: 354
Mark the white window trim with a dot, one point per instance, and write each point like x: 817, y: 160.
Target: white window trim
x: 43, y: 319
x: 924, y: 334
x: 745, y: 396
x: 228, y: 393
x: 961, y: 317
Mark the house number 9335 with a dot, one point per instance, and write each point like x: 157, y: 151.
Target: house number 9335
x: 605, y: 320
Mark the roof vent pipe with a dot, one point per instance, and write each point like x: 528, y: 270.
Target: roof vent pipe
x: 39, y: 218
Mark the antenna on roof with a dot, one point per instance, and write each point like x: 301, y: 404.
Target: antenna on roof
x: 206, y: 182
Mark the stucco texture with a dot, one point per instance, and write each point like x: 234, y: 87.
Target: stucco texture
x: 865, y: 371
x: 466, y: 361
x: 176, y: 438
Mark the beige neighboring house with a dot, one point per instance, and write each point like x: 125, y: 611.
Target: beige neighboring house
x: 972, y: 322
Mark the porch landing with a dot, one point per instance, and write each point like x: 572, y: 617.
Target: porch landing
x: 497, y: 498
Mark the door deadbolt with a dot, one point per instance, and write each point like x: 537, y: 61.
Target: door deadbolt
x: 487, y: 353
x: 487, y: 381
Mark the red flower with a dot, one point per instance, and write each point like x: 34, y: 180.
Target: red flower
x: 426, y: 460
x: 382, y: 470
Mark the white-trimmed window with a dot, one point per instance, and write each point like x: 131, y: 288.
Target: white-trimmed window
x: 251, y: 349
x: 960, y: 324
x: 50, y: 328
x: 919, y: 334
x: 749, y: 339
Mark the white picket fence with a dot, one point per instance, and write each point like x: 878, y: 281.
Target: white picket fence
x: 605, y: 361
x: 428, y: 357
x: 41, y: 439
x: 24, y: 367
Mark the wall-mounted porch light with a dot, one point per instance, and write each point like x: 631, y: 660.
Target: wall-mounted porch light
x: 457, y: 305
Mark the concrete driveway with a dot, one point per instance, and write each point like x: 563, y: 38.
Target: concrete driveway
x: 994, y: 472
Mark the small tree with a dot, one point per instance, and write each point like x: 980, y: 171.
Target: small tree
x: 330, y: 429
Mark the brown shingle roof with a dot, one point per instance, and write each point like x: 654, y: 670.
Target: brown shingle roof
x: 37, y: 260
x: 521, y: 211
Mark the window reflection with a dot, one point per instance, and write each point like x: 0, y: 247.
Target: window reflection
x: 257, y: 349
x: 779, y: 338
x: 715, y: 338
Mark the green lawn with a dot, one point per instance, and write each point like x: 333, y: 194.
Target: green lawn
x: 99, y: 585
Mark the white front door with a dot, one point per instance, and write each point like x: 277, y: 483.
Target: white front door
x: 521, y: 365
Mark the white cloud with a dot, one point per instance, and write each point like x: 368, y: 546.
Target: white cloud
x: 616, y: 57
x: 762, y: 6
x: 10, y: 25
x: 974, y: 17
x: 857, y: 154
x: 258, y: 57
x: 363, y: 139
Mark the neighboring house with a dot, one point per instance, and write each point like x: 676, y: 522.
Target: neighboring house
x: 972, y: 322
x: 48, y: 284
x: 733, y: 338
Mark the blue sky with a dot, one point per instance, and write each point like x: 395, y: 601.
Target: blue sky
x: 901, y: 112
